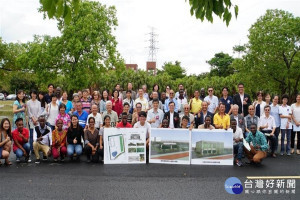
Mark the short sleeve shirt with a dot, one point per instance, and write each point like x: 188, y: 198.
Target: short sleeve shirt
x: 16, y: 137
x: 224, y: 121
x: 213, y: 103
x: 285, y: 110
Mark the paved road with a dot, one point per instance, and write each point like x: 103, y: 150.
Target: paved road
x: 73, y: 180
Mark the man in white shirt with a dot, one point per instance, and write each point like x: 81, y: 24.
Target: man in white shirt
x: 237, y: 142
x: 267, y: 126
x: 42, y: 140
x: 181, y: 100
x: 155, y: 115
x: 97, y: 116
x: 212, y: 100
x: 141, y: 99
x: 285, y: 113
x: 143, y: 124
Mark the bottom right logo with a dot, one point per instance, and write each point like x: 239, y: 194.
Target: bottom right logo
x: 233, y: 185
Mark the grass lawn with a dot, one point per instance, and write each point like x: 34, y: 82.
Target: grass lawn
x: 6, y: 109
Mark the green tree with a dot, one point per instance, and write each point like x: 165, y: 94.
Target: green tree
x: 88, y: 45
x: 85, y: 50
x: 174, y: 70
x: 221, y: 65
x: 273, y: 58
x: 204, y: 9
x: 60, y: 9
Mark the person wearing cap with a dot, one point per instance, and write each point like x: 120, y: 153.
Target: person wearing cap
x: 143, y: 124
x: 124, y: 123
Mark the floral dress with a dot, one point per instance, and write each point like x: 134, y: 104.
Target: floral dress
x: 19, y: 114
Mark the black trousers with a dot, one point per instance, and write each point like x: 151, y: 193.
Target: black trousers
x: 94, y: 158
x: 294, y: 133
x: 271, y: 140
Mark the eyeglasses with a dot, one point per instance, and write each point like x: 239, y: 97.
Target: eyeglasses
x: 209, y: 90
x: 186, y: 108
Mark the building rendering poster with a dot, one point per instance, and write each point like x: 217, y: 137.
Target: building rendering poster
x: 170, y: 146
x: 212, y: 147
x: 124, y: 146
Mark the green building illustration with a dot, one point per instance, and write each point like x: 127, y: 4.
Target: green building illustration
x: 209, y: 148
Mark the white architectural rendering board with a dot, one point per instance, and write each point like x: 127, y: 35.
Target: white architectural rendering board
x: 124, y: 145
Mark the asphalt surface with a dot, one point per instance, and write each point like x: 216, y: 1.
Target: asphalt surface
x: 81, y: 180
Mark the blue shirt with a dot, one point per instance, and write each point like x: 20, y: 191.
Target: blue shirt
x: 69, y: 106
x: 228, y: 102
x: 275, y: 113
x: 167, y: 101
x: 258, y: 139
x: 82, y: 118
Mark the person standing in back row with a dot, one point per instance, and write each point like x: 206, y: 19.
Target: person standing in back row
x: 285, y: 113
x: 212, y: 100
x: 242, y: 100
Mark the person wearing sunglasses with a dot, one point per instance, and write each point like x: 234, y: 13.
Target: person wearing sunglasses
x: 267, y: 126
x: 212, y: 100
x: 171, y: 99
x: 187, y: 113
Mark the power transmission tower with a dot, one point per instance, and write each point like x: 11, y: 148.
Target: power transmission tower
x: 152, y: 45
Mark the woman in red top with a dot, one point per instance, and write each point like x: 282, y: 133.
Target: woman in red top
x: 59, y: 141
x: 117, y: 104
x: 21, y: 145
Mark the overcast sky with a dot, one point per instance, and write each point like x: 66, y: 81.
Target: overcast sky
x: 180, y: 36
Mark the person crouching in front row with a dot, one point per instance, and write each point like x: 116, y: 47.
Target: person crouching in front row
x: 42, y: 140
x: 74, y: 135
x: 59, y: 142
x: 258, y: 147
x: 91, y: 140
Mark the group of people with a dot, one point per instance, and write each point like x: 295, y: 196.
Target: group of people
x: 54, y: 125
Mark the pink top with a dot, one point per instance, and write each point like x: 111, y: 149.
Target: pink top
x: 66, y: 119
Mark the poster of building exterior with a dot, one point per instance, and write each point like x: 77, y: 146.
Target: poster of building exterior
x: 169, y: 146
x: 212, y: 147
x: 124, y: 145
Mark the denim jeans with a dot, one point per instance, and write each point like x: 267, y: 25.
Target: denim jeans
x: 286, y: 132
x: 238, y: 150
x: 31, y: 137
x: 74, y: 148
x: 19, y: 153
x: 276, y: 134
